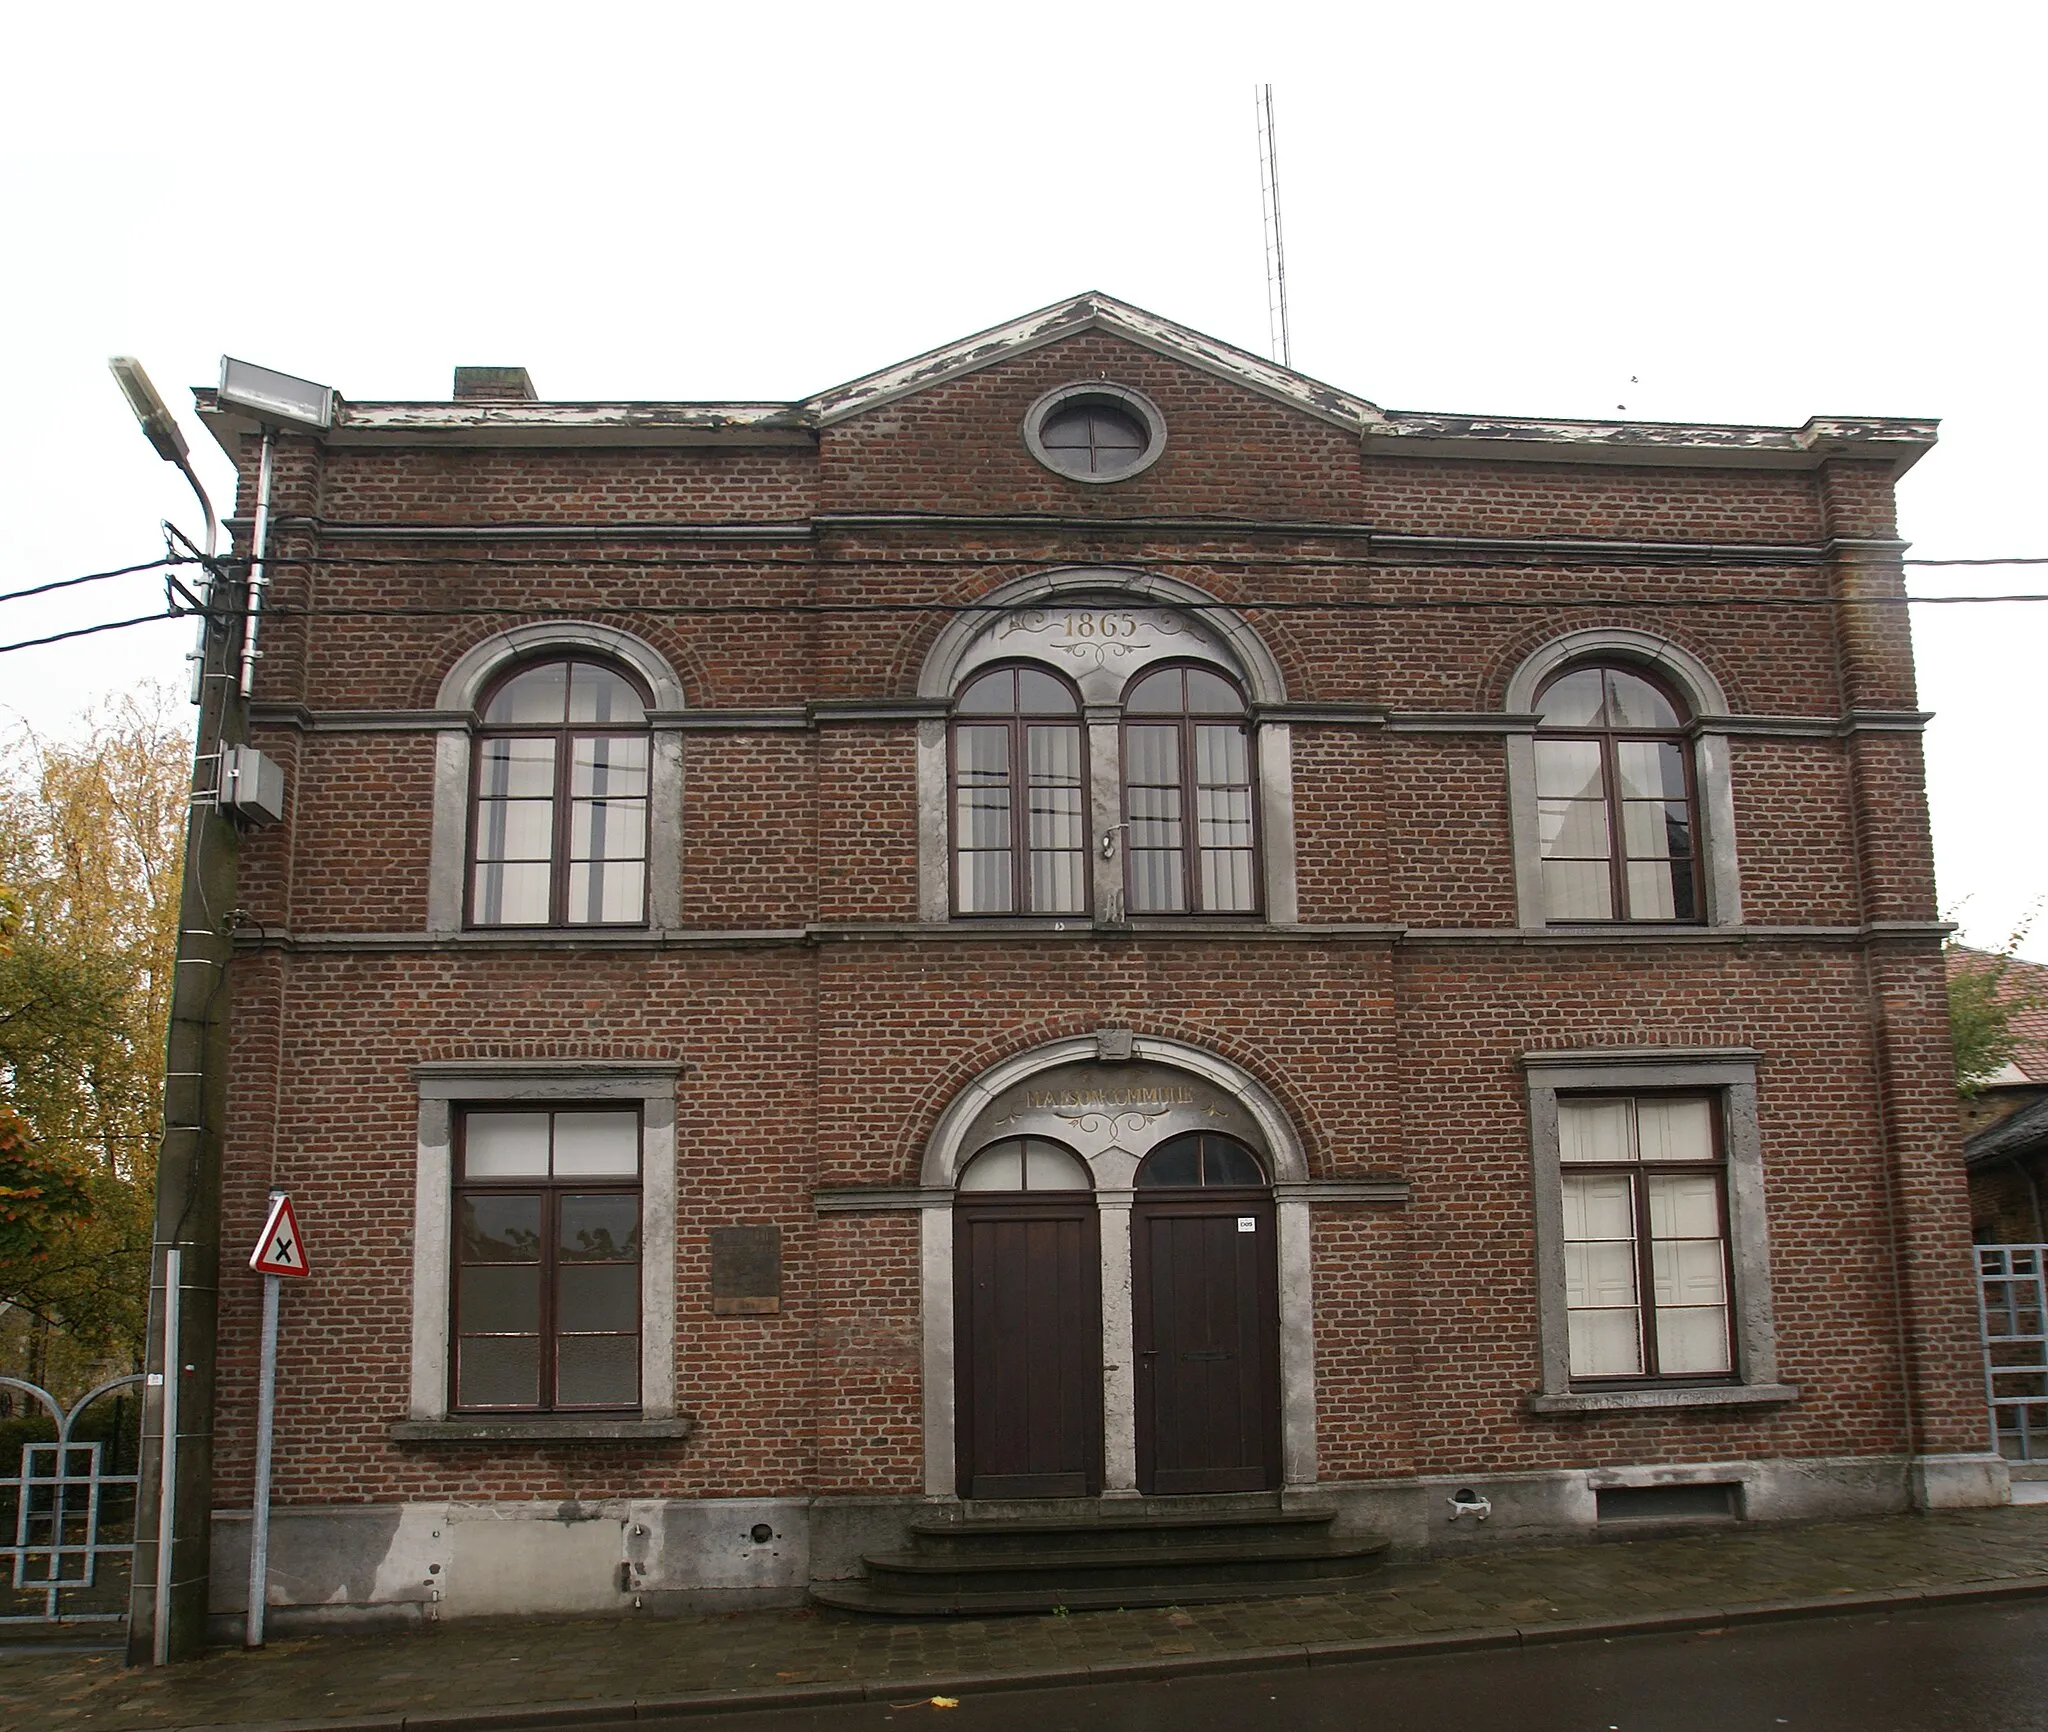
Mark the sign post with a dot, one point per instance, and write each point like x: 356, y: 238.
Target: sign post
x: 280, y: 1251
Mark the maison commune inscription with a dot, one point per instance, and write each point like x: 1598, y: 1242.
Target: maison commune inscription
x: 1113, y: 1100
x: 1095, y: 1106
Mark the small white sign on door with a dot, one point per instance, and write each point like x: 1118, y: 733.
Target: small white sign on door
x: 1247, y: 1223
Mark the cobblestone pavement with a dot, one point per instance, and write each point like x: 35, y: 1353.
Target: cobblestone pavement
x: 464, y: 1671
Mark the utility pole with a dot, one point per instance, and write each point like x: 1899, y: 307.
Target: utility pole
x: 168, y: 1591
x: 231, y: 786
x: 174, y: 1504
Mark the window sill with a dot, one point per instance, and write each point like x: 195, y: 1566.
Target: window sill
x: 542, y: 1428
x: 1639, y: 1400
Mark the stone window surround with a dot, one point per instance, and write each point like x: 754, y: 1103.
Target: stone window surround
x: 1730, y: 1073
x: 444, y: 1084
x: 1142, y: 407
x: 1244, y: 657
x: 1721, y: 881
x: 1113, y: 1173
x: 454, y: 746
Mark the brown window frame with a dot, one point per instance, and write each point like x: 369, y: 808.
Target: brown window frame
x: 551, y: 1189
x: 1639, y: 1173
x: 1610, y: 783
x: 1202, y: 1140
x: 1191, y: 851
x: 1016, y: 722
x: 564, y: 735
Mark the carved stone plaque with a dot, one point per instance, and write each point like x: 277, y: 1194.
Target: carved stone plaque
x: 746, y: 1271
x: 1128, y: 1106
x: 1099, y: 645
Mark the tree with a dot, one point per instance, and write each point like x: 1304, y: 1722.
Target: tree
x: 1985, y: 994
x: 91, y: 836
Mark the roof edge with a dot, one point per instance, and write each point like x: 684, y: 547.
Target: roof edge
x: 1092, y: 311
x: 1902, y: 441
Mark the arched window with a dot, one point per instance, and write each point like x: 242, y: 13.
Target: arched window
x: 1201, y: 1159
x: 1025, y: 1164
x: 1020, y: 796
x: 1614, y: 790
x: 1188, y: 794
x: 558, y: 831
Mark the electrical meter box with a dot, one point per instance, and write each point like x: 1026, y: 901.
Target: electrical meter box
x: 251, y: 785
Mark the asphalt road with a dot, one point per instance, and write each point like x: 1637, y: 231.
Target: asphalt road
x: 1984, y: 1668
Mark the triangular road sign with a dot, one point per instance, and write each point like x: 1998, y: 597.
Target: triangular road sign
x: 280, y: 1251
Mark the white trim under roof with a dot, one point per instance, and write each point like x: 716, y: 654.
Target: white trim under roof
x: 1093, y: 312
x: 1499, y: 438
x: 1404, y: 433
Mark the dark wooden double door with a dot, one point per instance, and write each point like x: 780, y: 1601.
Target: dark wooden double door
x: 1205, y: 1326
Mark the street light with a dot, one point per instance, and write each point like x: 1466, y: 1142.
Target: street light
x: 160, y: 429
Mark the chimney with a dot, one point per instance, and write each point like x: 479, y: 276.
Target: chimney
x: 494, y: 385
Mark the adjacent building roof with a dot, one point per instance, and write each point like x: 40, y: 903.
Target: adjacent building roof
x: 2024, y: 985
x: 475, y: 421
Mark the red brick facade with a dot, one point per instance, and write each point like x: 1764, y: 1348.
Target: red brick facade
x: 824, y: 1021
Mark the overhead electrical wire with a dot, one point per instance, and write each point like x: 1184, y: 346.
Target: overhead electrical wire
x: 1328, y: 604
x: 89, y: 577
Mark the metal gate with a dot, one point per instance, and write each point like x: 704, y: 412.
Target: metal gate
x: 2012, y: 1293
x: 71, y: 1522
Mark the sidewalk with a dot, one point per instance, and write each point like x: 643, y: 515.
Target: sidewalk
x: 503, y: 1673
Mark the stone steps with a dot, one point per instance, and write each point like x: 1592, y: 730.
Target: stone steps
x: 1088, y: 1555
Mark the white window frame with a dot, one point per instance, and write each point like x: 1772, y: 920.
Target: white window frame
x: 447, y: 1086
x: 1728, y: 1074
x: 457, y: 723
x: 1706, y: 731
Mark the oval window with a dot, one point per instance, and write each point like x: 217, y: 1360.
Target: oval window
x: 1095, y: 433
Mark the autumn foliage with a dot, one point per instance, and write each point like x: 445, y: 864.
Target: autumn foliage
x: 91, y: 838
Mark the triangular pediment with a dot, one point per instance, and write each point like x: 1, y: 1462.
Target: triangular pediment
x: 1093, y: 312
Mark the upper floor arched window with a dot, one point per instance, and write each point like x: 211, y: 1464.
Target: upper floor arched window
x: 1020, y: 795
x: 559, y: 813
x: 1107, y: 744
x: 1188, y: 796
x: 1616, y: 807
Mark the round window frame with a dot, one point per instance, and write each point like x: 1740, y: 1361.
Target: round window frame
x: 1079, y: 393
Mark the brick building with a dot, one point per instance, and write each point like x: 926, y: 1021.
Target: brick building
x: 1083, y: 917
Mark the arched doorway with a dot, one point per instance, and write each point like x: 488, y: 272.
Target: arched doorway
x: 1205, y: 1318
x: 1027, y: 1294
x: 1111, y: 1101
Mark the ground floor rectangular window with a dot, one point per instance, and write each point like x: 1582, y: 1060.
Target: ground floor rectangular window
x: 544, y: 1235
x: 1644, y: 1196
x: 547, y: 1259
x: 1653, y: 1263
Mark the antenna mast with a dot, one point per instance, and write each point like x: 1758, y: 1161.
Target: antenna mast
x: 1277, y: 333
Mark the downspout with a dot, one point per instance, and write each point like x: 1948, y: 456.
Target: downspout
x: 259, y: 577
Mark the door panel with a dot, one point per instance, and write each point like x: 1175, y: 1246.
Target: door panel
x: 1205, y: 1314
x: 1028, y: 1300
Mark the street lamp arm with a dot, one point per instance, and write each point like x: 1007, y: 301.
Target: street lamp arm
x: 161, y: 429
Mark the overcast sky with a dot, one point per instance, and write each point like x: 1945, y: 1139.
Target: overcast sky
x: 1748, y: 213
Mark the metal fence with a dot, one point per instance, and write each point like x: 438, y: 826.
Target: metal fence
x: 71, y: 1519
x: 2012, y: 1293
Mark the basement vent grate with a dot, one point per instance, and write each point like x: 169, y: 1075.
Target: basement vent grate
x: 1669, y: 1503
